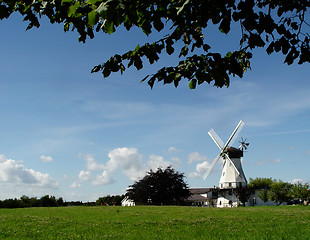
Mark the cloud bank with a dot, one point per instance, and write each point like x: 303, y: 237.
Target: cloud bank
x: 127, y: 160
x: 13, y: 172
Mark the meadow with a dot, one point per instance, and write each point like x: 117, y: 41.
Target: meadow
x: 149, y: 222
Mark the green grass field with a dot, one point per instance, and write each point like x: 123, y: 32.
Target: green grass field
x: 147, y: 222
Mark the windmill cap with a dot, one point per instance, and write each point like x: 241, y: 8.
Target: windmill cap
x: 234, y: 152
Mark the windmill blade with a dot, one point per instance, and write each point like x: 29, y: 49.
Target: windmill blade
x: 235, y: 133
x: 226, y: 155
x: 218, y: 141
x: 212, y: 166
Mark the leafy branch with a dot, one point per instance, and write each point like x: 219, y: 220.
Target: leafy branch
x: 278, y: 26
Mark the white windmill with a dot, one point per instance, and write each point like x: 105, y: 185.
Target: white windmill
x: 232, y: 174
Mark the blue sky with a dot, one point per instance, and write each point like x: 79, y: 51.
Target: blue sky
x: 72, y: 134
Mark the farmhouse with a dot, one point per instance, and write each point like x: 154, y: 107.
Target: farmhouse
x: 205, y: 197
x: 216, y: 197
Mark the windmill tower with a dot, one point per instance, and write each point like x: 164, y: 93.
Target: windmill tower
x: 232, y: 175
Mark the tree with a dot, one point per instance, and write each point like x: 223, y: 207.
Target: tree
x: 280, y: 192
x: 260, y: 183
x: 163, y: 187
x: 243, y: 194
x: 263, y: 186
x: 264, y: 195
x: 275, y: 25
x: 301, y: 191
x: 48, y: 201
x: 110, y: 200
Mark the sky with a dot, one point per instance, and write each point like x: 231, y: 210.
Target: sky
x: 72, y: 134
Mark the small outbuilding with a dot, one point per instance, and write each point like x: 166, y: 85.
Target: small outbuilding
x: 127, y: 202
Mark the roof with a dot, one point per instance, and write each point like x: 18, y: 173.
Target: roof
x: 197, y: 194
x: 200, y: 190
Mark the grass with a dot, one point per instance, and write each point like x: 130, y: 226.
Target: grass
x: 146, y: 222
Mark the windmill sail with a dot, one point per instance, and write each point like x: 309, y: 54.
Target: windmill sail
x: 232, y: 173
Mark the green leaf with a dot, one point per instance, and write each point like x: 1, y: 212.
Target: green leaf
x: 109, y: 27
x: 225, y: 26
x: 270, y: 48
x: 73, y: 8
x: 192, y: 84
x: 144, y: 78
x: 169, y: 49
x: 93, y: 1
x: 96, y: 68
x: 158, y: 24
x: 92, y: 16
x: 138, y: 63
x: 294, y: 25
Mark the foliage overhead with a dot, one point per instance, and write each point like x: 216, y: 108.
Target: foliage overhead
x: 163, y: 187
x: 276, y: 25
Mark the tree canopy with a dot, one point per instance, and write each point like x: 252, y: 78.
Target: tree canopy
x: 162, y: 187
x: 275, y: 25
x: 279, y: 191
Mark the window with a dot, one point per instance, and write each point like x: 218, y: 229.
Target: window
x: 229, y: 184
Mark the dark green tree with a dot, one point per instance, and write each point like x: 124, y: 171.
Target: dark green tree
x: 48, y: 201
x: 110, y: 200
x: 275, y: 25
x: 243, y: 194
x: 162, y: 187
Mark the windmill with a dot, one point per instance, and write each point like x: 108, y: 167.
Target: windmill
x: 232, y: 174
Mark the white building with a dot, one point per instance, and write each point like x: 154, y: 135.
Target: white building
x: 126, y: 202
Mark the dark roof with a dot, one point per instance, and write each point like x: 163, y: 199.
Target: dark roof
x: 196, y: 194
x: 196, y: 197
x: 234, y: 152
x: 200, y: 190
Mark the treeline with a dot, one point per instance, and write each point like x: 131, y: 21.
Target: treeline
x: 281, y: 192
x: 52, y: 201
x: 110, y: 200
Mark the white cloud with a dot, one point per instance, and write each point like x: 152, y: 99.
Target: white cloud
x: 173, y: 149
x: 12, y: 171
x: 298, y: 180
x: 203, y: 167
x: 84, y: 175
x: 75, y: 185
x: 90, y: 163
x: 156, y: 162
x: 103, y: 179
x: 276, y: 160
x: 194, y: 175
x: 129, y: 161
x: 176, y: 161
x: 196, y: 157
x: 264, y: 161
x: 46, y: 158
